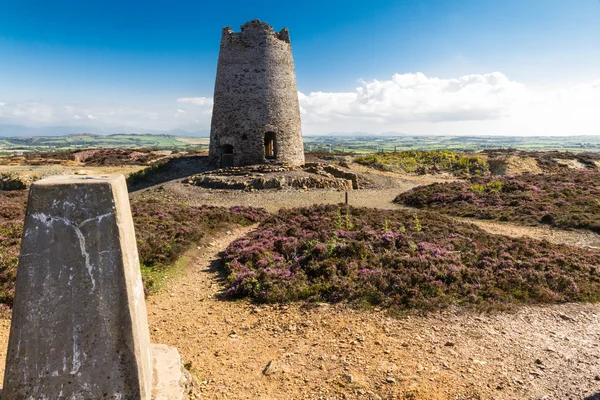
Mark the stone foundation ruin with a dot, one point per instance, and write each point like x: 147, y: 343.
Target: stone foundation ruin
x: 259, y: 177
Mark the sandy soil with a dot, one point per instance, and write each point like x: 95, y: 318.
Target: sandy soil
x: 238, y: 350
x: 578, y: 238
x: 242, y: 351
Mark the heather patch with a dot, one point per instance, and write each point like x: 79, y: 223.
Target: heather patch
x: 426, y: 162
x: 565, y: 200
x: 401, y: 259
x: 164, y: 232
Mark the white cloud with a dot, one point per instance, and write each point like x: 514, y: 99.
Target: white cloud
x: 472, y: 104
x: 417, y: 98
x: 108, y: 118
x: 198, y: 101
x: 411, y: 103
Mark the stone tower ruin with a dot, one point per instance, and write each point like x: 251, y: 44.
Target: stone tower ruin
x: 256, y: 115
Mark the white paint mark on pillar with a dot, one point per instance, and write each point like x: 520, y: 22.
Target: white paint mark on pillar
x: 48, y: 220
x: 76, y: 354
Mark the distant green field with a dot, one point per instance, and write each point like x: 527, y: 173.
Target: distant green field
x: 355, y: 144
x: 372, y: 144
x: 72, y: 142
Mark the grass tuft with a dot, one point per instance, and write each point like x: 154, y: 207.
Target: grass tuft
x: 421, y: 162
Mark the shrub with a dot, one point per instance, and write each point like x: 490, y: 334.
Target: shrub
x: 417, y: 161
x: 302, y: 254
x: 566, y: 200
x: 165, y: 230
x: 494, y: 185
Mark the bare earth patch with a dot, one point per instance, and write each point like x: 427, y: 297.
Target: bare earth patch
x: 575, y: 238
x: 339, y: 353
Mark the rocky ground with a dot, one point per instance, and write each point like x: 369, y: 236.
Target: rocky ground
x: 384, y: 186
x: 515, y: 162
x: 274, y: 176
x: 239, y: 350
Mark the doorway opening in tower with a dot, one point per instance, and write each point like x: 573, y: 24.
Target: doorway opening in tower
x: 270, y: 146
x: 227, y: 156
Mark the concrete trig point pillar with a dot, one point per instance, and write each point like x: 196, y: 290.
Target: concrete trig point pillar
x: 79, y: 326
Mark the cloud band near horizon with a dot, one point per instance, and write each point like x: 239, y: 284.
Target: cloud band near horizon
x: 411, y: 103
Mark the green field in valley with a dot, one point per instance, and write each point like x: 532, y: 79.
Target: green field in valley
x: 372, y: 143
x: 325, y: 143
x: 72, y: 142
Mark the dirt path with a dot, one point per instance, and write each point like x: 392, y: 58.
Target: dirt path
x: 577, y: 238
x: 241, y: 351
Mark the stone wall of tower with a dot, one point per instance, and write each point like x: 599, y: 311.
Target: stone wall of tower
x: 255, y: 93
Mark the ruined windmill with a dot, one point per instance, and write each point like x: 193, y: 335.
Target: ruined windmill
x: 256, y: 115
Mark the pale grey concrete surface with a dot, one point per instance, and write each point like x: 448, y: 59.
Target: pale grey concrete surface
x: 170, y: 379
x: 79, y: 326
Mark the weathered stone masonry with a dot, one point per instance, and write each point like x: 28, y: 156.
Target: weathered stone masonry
x: 256, y: 115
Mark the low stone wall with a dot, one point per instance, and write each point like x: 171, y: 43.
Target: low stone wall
x: 273, y: 182
x: 340, y: 173
x: 277, y: 176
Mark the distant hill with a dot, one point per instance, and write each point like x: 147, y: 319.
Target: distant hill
x: 7, y: 130
x: 20, y: 130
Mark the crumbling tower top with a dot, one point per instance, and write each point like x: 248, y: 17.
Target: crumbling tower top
x: 256, y: 26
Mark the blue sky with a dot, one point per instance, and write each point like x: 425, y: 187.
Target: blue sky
x: 73, y: 63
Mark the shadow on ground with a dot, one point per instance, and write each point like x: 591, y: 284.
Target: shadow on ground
x: 218, y: 269
x: 175, y: 168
